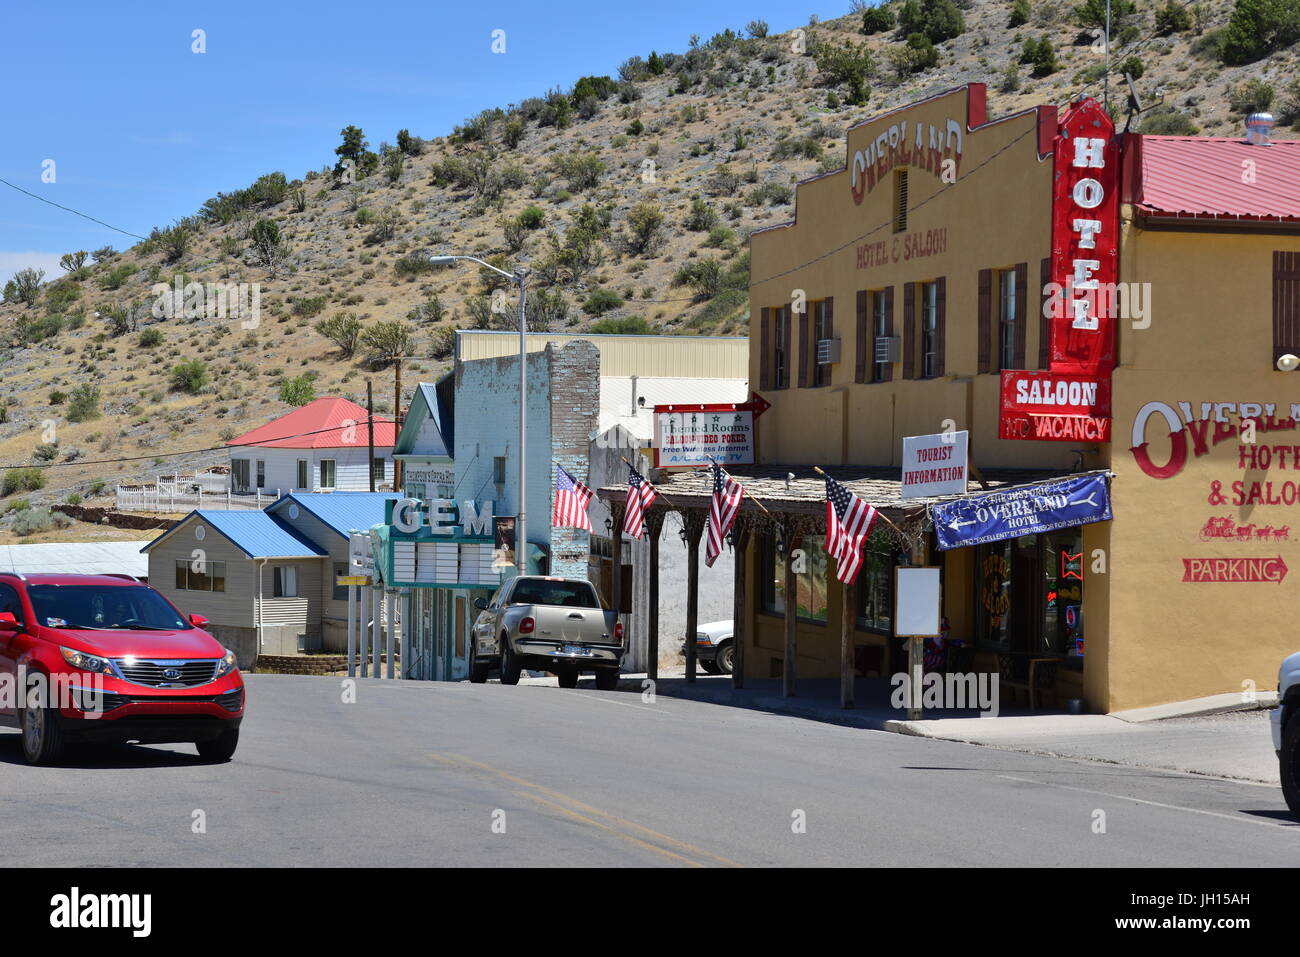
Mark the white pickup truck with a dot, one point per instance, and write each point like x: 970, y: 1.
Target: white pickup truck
x: 1286, y: 730
x: 549, y: 624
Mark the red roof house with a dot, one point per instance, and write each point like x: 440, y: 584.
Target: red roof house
x: 321, y: 446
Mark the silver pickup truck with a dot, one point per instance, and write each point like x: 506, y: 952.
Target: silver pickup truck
x: 547, y: 624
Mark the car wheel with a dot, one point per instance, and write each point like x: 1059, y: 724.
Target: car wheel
x: 510, y: 666
x: 568, y: 677
x: 726, y: 657
x: 42, y: 735
x: 220, y: 748
x: 607, y: 679
x: 478, y: 671
x: 711, y: 667
x: 1289, y: 763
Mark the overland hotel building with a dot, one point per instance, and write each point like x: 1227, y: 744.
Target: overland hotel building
x: 912, y: 279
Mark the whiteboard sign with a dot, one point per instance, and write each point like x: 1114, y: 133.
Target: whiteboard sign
x: 917, y: 597
x: 934, y: 465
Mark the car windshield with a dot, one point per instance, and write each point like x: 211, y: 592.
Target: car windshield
x: 537, y: 591
x: 103, y: 607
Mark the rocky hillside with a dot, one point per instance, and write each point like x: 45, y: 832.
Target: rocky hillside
x: 630, y: 198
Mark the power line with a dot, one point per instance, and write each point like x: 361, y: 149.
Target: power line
x: 215, y: 448
x: 73, y: 211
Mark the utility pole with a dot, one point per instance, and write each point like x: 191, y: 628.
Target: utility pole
x: 370, y: 434
x: 398, y: 469
x: 1105, y: 77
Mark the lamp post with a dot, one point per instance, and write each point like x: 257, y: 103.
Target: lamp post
x: 520, y: 277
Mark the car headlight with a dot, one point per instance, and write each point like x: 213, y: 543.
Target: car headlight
x: 227, y: 664
x: 87, y: 662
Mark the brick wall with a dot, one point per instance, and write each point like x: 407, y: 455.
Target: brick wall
x: 575, y: 413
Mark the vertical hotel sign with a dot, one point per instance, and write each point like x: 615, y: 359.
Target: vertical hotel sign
x: 1080, y: 304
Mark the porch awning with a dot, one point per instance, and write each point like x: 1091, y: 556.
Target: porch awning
x: 805, y: 493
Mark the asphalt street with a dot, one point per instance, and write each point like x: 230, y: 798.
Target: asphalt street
x: 442, y: 774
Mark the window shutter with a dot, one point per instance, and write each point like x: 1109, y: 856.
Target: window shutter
x: 909, y: 329
x: 985, y: 318
x: 1044, y: 323
x: 829, y: 306
x: 862, y: 338
x: 788, y: 339
x: 804, y: 364
x: 764, y: 350
x: 1022, y: 292
x: 1286, y: 304
x: 940, y: 323
x: 889, y: 331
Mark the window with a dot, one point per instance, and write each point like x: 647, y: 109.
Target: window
x: 378, y: 469
x: 567, y: 594
x: 239, y: 475
x: 261, y: 473
x: 880, y: 328
x: 900, y: 200
x: 1286, y: 304
x: 810, y: 583
x: 328, y: 472
x: 285, y: 584
x: 340, y: 592
x: 1031, y: 594
x: 304, y: 479
x: 781, y: 346
x: 929, y: 329
x: 200, y: 576
x: 499, y: 470
x: 822, y: 329
x: 1007, y: 319
x: 876, y: 583
x: 10, y: 602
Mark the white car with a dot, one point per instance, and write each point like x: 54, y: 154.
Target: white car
x: 715, y: 648
x: 1286, y: 730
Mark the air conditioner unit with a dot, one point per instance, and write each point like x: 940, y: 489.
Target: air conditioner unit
x: 828, y: 351
x: 887, y: 349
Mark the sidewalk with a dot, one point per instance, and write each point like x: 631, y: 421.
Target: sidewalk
x: 1233, y: 745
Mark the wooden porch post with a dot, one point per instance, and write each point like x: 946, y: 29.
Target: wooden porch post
x: 740, y: 614
x: 616, y: 560
x: 656, y: 522
x: 915, y: 646
x: 694, y: 520
x: 847, y: 669
x: 791, y: 613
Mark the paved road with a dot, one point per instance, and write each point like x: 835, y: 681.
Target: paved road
x: 416, y: 773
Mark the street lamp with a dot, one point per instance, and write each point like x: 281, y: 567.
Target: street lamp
x: 519, y: 276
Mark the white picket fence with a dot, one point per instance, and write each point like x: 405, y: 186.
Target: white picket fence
x: 169, y: 498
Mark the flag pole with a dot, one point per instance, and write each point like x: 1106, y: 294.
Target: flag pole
x: 658, y: 493
x: 747, y: 491
x: 879, y: 513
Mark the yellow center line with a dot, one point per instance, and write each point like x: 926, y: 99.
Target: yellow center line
x: 617, y: 821
x: 605, y: 827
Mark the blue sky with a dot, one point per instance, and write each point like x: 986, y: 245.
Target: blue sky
x: 141, y: 130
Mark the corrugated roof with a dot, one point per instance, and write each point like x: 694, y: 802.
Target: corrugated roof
x: 76, y: 558
x: 616, y: 402
x: 1206, y: 177
x: 341, y: 511
x: 330, y: 422
x: 256, y: 534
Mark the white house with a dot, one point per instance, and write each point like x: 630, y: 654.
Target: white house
x: 323, y: 446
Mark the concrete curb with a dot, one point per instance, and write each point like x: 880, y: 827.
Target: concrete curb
x: 1194, y: 707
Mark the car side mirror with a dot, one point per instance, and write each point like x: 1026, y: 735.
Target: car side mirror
x: 8, y: 621
x: 481, y: 604
x: 198, y: 621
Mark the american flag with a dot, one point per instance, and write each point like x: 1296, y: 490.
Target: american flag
x: 848, y: 523
x: 571, y: 498
x: 640, y: 493
x: 727, y: 493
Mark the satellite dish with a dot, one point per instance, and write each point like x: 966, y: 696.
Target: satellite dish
x: 1134, y: 104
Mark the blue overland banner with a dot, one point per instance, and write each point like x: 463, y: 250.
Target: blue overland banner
x: 995, y: 516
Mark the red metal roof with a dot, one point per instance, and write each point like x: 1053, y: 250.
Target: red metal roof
x: 326, y: 423
x: 1208, y: 177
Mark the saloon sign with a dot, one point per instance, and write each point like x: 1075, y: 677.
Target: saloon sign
x: 1055, y: 407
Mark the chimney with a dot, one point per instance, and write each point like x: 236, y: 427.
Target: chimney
x: 1259, y: 129
x: 634, y: 405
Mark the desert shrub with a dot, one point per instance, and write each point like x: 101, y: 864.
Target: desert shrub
x: 578, y: 170
x: 1020, y: 11
x: 644, y: 227
x: 1258, y: 27
x: 532, y: 218
x: 601, y: 301
x: 850, y: 66
x: 546, y: 309
x: 774, y: 194
x: 46, y: 452
x: 1040, y: 55
x: 83, y: 404
x: 1133, y: 66
x: 344, y: 330
x: 702, y: 216
x: 189, y: 376
x: 1092, y: 13
x: 431, y: 311
x: 384, y: 342
x: 1168, y: 122
x: 1173, y: 17
x: 877, y: 19
x: 22, y: 480
x: 309, y: 306
x: 32, y: 520
x: 412, y: 265
x: 622, y: 326
x: 1251, y: 96
x: 298, y: 390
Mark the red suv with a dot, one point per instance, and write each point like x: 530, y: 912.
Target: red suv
x: 104, y: 658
